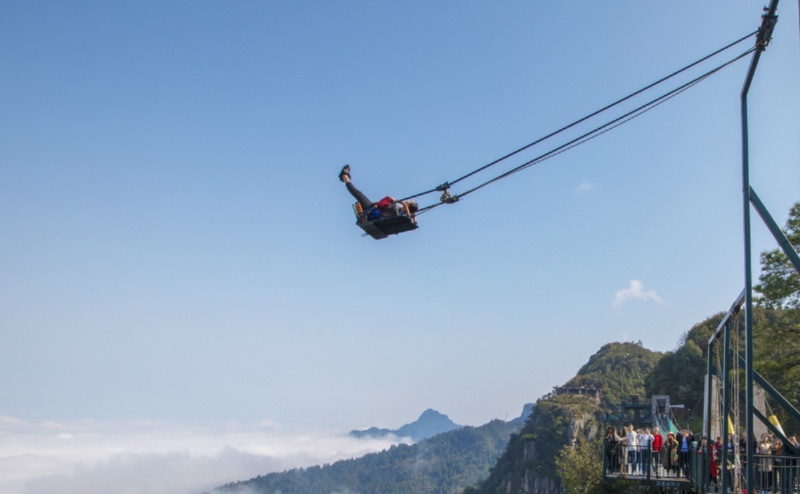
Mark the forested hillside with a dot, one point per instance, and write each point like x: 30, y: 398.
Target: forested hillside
x: 618, y: 369
x: 443, y: 464
x: 528, y: 465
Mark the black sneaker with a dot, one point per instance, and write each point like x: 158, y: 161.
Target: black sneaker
x: 344, y: 173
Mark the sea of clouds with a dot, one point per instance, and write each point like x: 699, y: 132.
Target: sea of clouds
x: 146, y: 457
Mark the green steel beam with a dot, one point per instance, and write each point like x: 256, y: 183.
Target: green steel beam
x: 776, y: 231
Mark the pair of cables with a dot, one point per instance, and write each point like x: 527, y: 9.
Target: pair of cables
x: 447, y: 198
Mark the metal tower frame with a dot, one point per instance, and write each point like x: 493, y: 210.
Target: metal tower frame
x: 745, y: 299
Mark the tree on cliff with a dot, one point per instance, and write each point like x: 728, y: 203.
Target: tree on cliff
x: 579, y: 469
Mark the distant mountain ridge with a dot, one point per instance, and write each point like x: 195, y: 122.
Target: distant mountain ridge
x: 443, y: 464
x: 429, y: 424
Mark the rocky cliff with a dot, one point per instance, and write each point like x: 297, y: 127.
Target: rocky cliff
x: 559, y: 420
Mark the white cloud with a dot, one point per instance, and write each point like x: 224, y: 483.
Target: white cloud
x: 635, y: 291
x: 156, y: 458
x: 12, y: 423
x: 268, y: 424
x: 584, y: 187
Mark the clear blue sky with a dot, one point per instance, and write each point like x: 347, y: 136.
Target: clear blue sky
x: 177, y: 245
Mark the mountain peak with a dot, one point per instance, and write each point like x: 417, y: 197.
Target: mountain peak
x: 429, y: 424
x: 431, y: 414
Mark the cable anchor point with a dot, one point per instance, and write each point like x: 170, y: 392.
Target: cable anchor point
x: 764, y: 35
x: 447, y: 198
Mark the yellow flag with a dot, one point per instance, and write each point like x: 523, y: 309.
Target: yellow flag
x: 774, y: 421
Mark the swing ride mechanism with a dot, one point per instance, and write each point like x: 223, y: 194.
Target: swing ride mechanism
x: 380, y: 228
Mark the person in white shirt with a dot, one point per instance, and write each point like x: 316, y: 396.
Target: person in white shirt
x: 633, y: 444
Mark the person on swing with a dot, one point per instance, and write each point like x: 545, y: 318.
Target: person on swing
x: 384, y: 208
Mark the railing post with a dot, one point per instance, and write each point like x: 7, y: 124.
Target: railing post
x: 726, y: 389
x: 709, y: 396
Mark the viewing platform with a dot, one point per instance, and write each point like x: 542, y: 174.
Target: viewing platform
x: 632, y: 467
x: 629, y: 467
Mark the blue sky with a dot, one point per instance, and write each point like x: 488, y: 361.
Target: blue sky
x: 178, y: 248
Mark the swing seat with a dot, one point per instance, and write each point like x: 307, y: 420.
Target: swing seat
x: 381, y: 228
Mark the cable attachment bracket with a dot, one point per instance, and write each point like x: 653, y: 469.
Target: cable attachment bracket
x: 447, y: 198
x: 764, y: 36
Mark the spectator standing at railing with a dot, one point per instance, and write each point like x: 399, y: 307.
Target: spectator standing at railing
x: 670, y: 454
x: 643, y: 438
x: 716, y: 459
x: 779, y: 469
x: 764, y: 462
x: 633, y: 446
x: 684, y: 440
x: 612, y: 450
x: 658, y: 443
x: 623, y: 450
x: 706, y: 450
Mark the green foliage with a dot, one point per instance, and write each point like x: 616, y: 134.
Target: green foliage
x: 510, y: 467
x: 580, y: 467
x: 681, y: 374
x: 442, y: 464
x: 777, y: 328
x: 618, y: 369
x: 780, y: 282
x: 551, y: 428
x: 777, y: 355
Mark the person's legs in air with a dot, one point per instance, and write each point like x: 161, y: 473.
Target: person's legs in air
x: 344, y: 176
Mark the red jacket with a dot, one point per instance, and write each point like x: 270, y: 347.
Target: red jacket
x: 384, y: 203
x: 658, y: 441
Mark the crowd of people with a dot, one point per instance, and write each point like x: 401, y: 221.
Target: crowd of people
x: 776, y: 470
x: 632, y: 452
